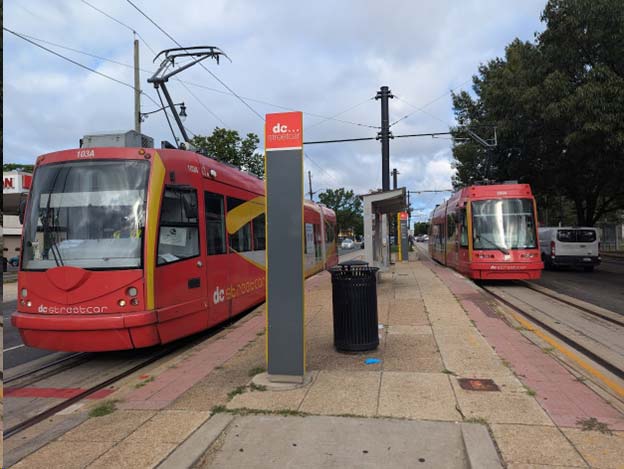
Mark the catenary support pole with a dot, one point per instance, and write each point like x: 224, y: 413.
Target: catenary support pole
x: 385, y: 135
x: 137, y: 89
x: 310, y: 182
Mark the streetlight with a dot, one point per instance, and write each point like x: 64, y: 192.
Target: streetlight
x: 183, y: 115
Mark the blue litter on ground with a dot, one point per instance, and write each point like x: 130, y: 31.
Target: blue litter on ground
x: 372, y: 361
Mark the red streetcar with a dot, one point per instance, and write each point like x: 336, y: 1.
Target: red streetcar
x: 130, y: 247
x: 488, y: 232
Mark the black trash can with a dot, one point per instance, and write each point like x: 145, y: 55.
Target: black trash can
x: 354, y: 298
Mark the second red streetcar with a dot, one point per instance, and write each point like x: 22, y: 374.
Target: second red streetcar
x: 488, y: 232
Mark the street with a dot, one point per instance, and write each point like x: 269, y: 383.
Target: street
x: 603, y: 287
x: 15, y: 352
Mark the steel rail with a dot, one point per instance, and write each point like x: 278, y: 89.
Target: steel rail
x: 46, y: 366
x: 571, y: 303
x: 189, y: 341
x: 560, y: 335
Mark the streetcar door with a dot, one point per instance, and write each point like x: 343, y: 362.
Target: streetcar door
x: 452, y: 246
x: 463, y: 240
x: 180, y: 279
x: 217, y: 265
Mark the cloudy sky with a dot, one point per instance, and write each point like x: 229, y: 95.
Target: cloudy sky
x: 321, y: 57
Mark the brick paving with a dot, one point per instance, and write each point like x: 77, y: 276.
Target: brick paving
x: 566, y: 399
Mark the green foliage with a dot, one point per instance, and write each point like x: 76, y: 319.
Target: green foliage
x: 227, y: 146
x: 348, y: 208
x: 105, y: 408
x: 256, y: 371
x: 421, y: 228
x: 29, y: 168
x: 558, y: 106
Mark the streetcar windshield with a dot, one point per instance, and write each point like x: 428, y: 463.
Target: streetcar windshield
x: 88, y: 214
x: 503, y: 224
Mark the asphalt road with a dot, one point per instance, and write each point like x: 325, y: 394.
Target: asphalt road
x: 15, y: 352
x: 603, y: 287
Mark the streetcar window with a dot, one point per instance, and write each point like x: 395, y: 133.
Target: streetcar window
x: 240, y: 241
x: 502, y: 224
x: 329, y: 233
x: 463, y: 237
x: 215, y: 223
x: 450, y: 227
x: 259, y: 233
x: 87, y: 214
x: 179, y: 230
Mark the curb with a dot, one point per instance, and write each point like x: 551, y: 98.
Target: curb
x: 480, y: 450
x: 193, y: 448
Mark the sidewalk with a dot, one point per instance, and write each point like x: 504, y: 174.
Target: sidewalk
x: 410, y: 410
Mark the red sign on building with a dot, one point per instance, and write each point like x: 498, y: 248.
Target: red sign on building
x: 403, y: 215
x: 283, y: 131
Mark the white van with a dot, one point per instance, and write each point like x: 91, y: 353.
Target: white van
x: 568, y: 246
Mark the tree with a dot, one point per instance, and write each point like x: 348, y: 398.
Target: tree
x: 29, y: 168
x: 227, y: 146
x: 558, y: 106
x: 421, y: 228
x: 348, y: 208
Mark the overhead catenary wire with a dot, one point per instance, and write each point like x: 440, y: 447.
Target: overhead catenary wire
x: 92, y: 70
x: 155, y: 54
x: 204, y: 87
x: 200, y: 64
x: 202, y: 103
x: 340, y: 113
x: 134, y: 31
x: 421, y: 108
x: 321, y: 168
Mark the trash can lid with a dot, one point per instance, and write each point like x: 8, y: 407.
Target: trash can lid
x: 353, y: 262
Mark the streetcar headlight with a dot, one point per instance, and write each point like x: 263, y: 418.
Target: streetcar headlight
x: 121, y: 302
x: 132, y: 291
x: 24, y: 293
x: 134, y: 301
x: 29, y: 303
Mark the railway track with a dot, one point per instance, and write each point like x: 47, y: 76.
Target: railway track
x: 162, y: 352
x: 15, y: 429
x: 39, y: 373
x: 593, y: 334
x: 575, y: 304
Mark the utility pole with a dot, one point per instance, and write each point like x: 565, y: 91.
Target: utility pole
x: 137, y: 88
x: 394, y: 178
x: 385, y: 135
x: 310, y: 181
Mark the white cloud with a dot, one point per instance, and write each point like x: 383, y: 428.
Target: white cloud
x: 320, y: 57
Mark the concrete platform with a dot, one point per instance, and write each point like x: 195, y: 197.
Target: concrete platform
x: 263, y: 441
x: 203, y: 410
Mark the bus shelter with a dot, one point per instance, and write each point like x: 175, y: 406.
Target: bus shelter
x: 377, y: 207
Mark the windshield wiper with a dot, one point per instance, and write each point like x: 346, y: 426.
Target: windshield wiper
x: 46, y: 226
x: 500, y: 248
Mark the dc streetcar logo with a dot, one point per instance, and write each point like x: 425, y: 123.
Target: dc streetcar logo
x: 218, y: 296
x: 284, y: 130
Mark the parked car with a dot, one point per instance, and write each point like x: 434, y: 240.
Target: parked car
x: 347, y: 243
x: 570, y: 246
x: 14, y: 261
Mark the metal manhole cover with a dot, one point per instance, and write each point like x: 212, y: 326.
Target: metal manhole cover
x: 473, y: 384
